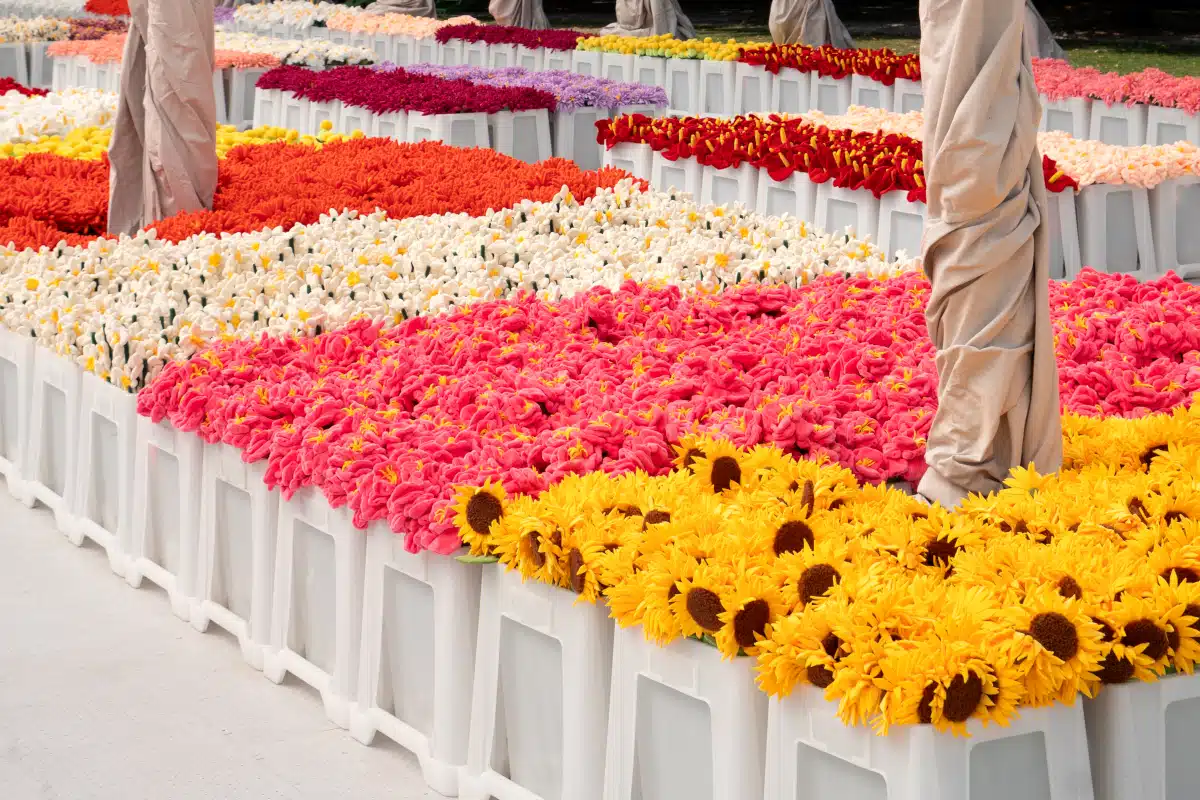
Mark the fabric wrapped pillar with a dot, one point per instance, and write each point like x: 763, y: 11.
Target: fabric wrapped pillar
x: 650, y: 18
x: 414, y: 8
x: 811, y: 22
x: 1039, y: 41
x: 522, y: 13
x: 164, y: 142
x: 986, y: 252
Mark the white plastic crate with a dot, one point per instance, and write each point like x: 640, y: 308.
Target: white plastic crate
x: 102, y: 76
x: 354, y: 118
x: 717, y: 86
x: 634, y: 158
x: 502, y: 55
x: 393, y: 125
x: 829, y: 95
x: 319, y: 113
x: 909, y: 96
x: 339, y: 36
x: 1072, y: 115
x: 521, y: 134
x: 683, y: 722
x: 617, y: 67
x: 103, y: 498
x: 901, y: 225
x: 428, y: 51
x: 53, y: 423
x: 404, y: 50
x: 268, y: 107
x: 14, y: 63
x: 235, y: 565
x: 683, y: 86
x: 16, y: 376
x: 532, y: 60
x: 869, y: 92
x: 294, y: 112
x: 1141, y: 738
x: 791, y: 91
x: 417, y: 665
x: 539, y: 714
x: 575, y: 136
x: 682, y: 175
x: 733, y: 186
x: 752, y: 89
x: 316, y: 613
x: 475, y: 54
x: 557, y: 60
x: 1171, y: 125
x: 643, y: 109
x: 1066, y: 260
x: 62, y: 68
x: 847, y: 210
x: 587, y: 62
x: 1118, y: 124
x: 650, y: 70
x: 1175, y: 221
x: 1114, y: 230
x: 282, y: 30
x: 795, y: 195
x: 381, y: 43
x: 243, y: 96
x: 166, y: 494
x: 83, y: 73
x: 457, y: 130
x: 41, y: 65
x: 813, y: 755
x: 220, y: 95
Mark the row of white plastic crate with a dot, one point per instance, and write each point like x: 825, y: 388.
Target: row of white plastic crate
x: 27, y: 63
x: 724, y: 88
x: 1112, y: 228
x: 531, y: 136
x: 505, y: 689
x: 233, y: 88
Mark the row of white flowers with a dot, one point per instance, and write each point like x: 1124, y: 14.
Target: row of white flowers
x: 38, y: 29
x: 315, y: 53
x: 123, y: 308
x: 25, y: 119
x: 286, y: 12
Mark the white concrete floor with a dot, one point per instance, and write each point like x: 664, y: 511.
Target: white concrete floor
x: 105, y: 695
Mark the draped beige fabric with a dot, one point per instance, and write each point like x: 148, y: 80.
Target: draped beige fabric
x: 523, y: 13
x: 414, y: 8
x: 986, y: 251
x: 164, y: 142
x: 649, y: 18
x: 811, y: 22
x: 1038, y: 39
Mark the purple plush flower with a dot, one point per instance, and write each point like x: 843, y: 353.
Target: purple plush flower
x: 570, y: 89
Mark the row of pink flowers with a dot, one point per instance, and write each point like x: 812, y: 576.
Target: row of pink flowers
x: 383, y: 92
x: 388, y: 420
x: 110, y: 48
x: 1058, y: 80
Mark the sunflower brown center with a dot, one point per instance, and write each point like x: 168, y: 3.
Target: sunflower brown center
x: 1069, y: 587
x: 1151, y: 453
x: 1144, y: 631
x: 792, y: 536
x: 482, y: 510
x: 836, y: 504
x: 1055, y: 632
x: 830, y: 644
x: 656, y: 517
x: 1138, y: 507
x: 725, y: 473
x: 1114, y: 670
x: 939, y: 552
x: 705, y: 608
x: 819, y: 676
x: 530, y: 544
x: 574, y: 570
x: 1172, y: 517
x: 752, y: 619
x: 690, y: 457
x: 1181, y: 574
x: 809, y: 497
x: 963, y: 696
x: 816, y: 581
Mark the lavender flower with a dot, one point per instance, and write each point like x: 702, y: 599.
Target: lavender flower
x: 571, y: 90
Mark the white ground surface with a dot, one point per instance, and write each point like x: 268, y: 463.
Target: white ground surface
x: 105, y: 695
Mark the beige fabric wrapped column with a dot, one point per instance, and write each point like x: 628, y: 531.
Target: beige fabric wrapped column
x: 414, y: 8
x: 986, y: 251
x: 1038, y: 39
x: 522, y: 13
x: 164, y: 143
x: 650, y: 18
x: 811, y: 22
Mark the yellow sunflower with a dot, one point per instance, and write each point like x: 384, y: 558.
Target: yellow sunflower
x: 753, y: 603
x: 720, y: 467
x: 701, y: 599
x: 1055, y: 645
x: 475, y: 509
